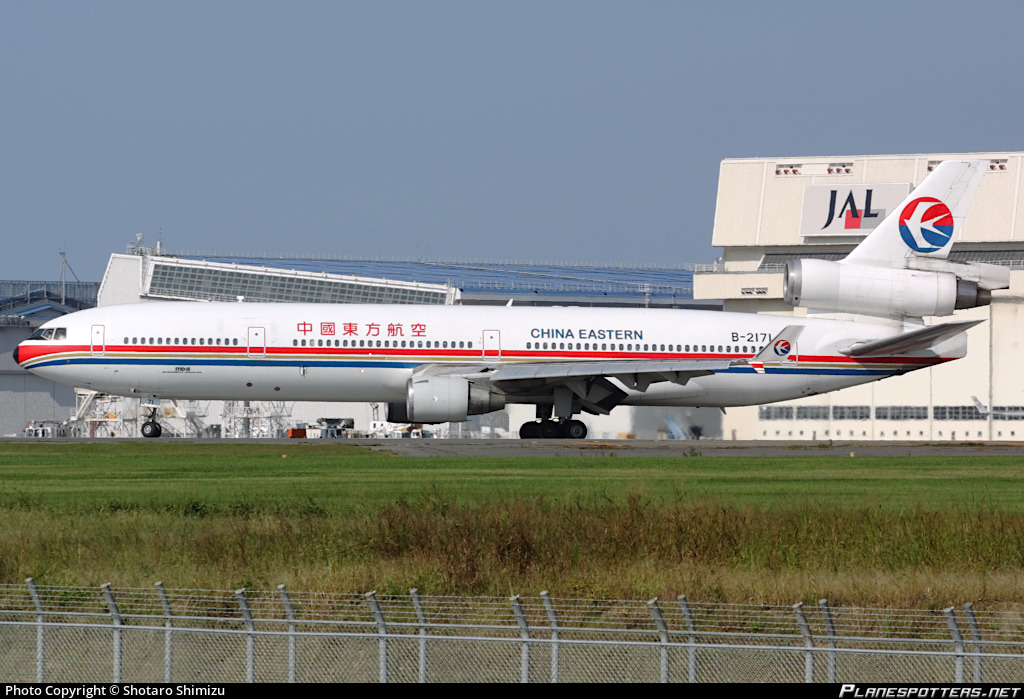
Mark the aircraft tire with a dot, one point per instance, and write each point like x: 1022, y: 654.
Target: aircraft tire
x: 549, y: 429
x: 574, y: 429
x: 529, y: 430
x: 151, y: 430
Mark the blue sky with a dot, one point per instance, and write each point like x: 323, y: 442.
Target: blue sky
x: 573, y: 131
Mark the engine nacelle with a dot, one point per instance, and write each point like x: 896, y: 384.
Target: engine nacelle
x: 882, y: 291
x: 433, y: 399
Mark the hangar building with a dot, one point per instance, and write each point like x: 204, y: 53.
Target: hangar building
x: 770, y: 210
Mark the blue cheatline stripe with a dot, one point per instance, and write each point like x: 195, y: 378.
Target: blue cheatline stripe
x: 232, y: 363
x: 394, y: 364
x: 819, y: 370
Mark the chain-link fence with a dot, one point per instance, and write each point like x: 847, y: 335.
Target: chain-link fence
x: 71, y: 634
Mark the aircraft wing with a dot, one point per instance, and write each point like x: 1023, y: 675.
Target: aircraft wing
x: 589, y: 383
x: 916, y: 339
x: 630, y: 372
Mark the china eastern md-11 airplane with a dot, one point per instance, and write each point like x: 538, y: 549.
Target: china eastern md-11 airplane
x: 436, y: 364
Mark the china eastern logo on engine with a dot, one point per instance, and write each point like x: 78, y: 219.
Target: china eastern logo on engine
x: 586, y: 334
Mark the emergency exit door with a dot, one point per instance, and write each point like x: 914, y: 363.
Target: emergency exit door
x: 492, y: 343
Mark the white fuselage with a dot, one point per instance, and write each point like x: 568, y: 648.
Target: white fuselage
x: 321, y: 352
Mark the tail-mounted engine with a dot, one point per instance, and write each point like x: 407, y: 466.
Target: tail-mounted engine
x: 884, y: 291
x: 433, y: 399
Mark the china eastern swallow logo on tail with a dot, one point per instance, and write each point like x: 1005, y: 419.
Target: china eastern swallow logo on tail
x: 782, y: 348
x: 926, y: 225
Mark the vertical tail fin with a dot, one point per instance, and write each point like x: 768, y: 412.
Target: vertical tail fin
x: 925, y: 223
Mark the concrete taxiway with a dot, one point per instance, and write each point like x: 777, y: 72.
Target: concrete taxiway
x: 621, y: 448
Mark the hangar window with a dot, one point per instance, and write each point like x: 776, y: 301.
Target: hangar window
x: 812, y: 412
x: 851, y: 412
x: 957, y: 412
x: 775, y: 412
x: 901, y: 412
x: 1016, y: 412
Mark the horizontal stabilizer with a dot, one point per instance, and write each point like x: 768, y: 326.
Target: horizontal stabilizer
x: 917, y: 339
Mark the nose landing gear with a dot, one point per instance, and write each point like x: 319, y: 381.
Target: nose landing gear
x: 151, y: 428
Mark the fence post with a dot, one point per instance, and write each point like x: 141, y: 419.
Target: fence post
x: 553, y: 621
x: 691, y: 669
x: 958, y: 643
x: 40, y: 629
x: 382, y: 629
x: 290, y: 612
x: 972, y: 621
x: 524, y: 633
x: 830, y: 628
x: 250, y: 638
x: 115, y: 616
x: 659, y: 621
x: 422, y: 619
x: 805, y: 630
x: 165, y: 604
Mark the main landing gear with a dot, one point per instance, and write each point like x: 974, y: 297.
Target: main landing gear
x: 553, y: 429
x: 151, y: 428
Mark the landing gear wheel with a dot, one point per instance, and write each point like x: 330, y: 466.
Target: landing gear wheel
x: 151, y: 430
x: 549, y: 429
x: 529, y: 430
x: 574, y: 429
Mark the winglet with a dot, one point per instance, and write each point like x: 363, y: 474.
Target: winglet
x: 982, y: 408
x: 778, y: 348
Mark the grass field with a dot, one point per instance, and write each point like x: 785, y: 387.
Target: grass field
x: 896, y: 531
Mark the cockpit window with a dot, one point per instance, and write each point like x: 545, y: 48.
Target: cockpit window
x: 49, y: 334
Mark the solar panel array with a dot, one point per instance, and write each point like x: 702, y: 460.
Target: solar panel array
x: 483, y: 278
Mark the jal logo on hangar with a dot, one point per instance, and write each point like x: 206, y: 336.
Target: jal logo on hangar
x: 848, y: 209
